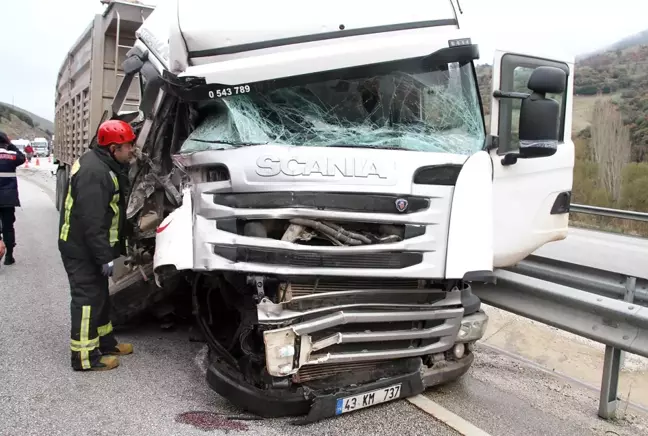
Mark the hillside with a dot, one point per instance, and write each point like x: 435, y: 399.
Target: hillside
x: 40, y: 122
x: 640, y: 38
x: 19, y: 123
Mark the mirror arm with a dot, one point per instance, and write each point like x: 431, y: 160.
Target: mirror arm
x: 518, y: 95
x: 510, y: 158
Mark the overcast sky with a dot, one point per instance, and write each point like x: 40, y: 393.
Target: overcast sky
x: 36, y: 35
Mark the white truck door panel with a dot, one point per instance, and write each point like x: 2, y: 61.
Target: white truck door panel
x: 530, y: 194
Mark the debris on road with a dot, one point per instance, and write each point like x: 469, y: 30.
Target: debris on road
x: 209, y: 421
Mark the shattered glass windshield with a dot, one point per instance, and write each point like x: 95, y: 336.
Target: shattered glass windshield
x: 427, y: 108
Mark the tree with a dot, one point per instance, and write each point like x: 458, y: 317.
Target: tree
x: 610, y: 146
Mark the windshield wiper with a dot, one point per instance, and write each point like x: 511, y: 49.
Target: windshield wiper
x: 378, y: 147
x: 232, y: 143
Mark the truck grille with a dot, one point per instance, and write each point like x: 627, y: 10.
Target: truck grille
x: 302, y: 294
x: 355, y: 202
x: 382, y: 260
x: 324, y: 285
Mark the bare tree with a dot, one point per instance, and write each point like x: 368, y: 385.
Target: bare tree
x: 610, y: 145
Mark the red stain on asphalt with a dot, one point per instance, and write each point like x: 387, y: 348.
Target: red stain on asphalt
x: 209, y: 421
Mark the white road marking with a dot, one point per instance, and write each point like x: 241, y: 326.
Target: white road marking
x: 447, y: 417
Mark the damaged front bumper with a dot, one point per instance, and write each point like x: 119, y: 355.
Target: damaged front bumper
x: 369, y: 383
x: 367, y: 358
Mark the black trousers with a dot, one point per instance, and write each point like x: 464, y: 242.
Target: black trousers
x: 92, y: 329
x: 8, y: 218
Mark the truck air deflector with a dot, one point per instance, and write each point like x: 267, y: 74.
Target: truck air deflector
x: 342, y: 33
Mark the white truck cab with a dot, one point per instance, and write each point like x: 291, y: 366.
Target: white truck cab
x: 41, y: 147
x: 327, y: 184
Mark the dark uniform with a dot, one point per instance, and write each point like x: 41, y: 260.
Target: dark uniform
x: 91, y: 237
x: 10, y: 159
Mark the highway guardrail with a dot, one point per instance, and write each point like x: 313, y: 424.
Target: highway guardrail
x: 598, y: 305
x: 607, y: 212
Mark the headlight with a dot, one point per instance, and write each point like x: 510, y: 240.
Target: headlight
x: 473, y: 327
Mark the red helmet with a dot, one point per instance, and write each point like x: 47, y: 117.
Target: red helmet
x: 115, y: 132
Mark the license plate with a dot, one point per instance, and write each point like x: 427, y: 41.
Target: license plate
x: 368, y: 399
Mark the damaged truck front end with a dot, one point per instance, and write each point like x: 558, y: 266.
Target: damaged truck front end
x: 304, y: 294
x: 314, y: 221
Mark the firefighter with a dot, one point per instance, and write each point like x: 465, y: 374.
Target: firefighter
x: 10, y: 159
x: 91, y: 236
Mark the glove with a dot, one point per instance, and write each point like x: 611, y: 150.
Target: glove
x: 107, y: 269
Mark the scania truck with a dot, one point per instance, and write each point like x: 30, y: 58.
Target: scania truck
x: 321, y: 185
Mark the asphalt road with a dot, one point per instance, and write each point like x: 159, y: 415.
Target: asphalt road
x: 609, y: 251
x: 40, y: 394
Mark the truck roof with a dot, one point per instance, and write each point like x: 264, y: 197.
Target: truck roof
x: 246, y: 26
x: 257, y: 41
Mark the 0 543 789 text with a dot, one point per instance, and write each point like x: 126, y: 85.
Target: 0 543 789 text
x: 232, y: 90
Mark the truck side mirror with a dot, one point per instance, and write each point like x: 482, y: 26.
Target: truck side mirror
x: 540, y: 115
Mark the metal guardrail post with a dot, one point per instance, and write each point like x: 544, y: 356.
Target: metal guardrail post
x: 630, y: 287
x: 610, y: 384
x: 614, y: 359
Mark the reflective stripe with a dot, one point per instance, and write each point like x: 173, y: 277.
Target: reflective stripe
x: 69, y: 202
x: 84, y: 336
x: 65, y: 228
x: 114, y: 204
x: 84, y: 346
x: 105, y: 329
x: 7, y: 174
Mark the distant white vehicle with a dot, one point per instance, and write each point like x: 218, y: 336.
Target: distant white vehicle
x: 41, y: 147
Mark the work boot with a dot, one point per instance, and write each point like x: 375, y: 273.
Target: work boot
x: 9, y: 259
x: 119, y: 350
x: 105, y: 363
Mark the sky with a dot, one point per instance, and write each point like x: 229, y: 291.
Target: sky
x: 37, y: 34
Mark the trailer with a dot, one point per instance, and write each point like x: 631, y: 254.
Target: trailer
x: 88, y: 81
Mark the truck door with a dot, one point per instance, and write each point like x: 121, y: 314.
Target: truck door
x: 532, y: 170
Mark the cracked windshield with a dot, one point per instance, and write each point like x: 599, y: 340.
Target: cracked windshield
x: 434, y: 109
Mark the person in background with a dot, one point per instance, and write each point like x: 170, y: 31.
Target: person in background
x: 91, y: 236
x: 29, y: 151
x: 10, y: 159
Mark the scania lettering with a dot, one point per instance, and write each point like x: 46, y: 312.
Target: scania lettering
x: 295, y: 166
x: 321, y: 190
